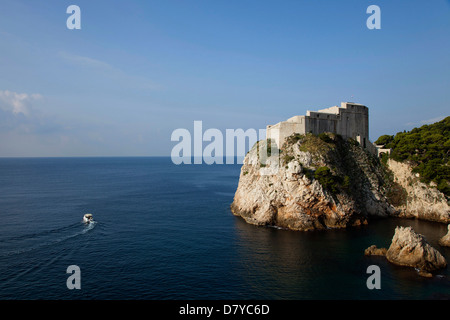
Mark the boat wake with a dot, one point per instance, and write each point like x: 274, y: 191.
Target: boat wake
x: 34, y: 241
x: 89, y: 226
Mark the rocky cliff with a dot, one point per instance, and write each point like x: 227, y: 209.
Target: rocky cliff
x: 411, y: 249
x: 421, y: 200
x: 319, y: 182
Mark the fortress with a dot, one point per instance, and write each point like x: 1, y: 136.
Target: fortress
x: 350, y: 120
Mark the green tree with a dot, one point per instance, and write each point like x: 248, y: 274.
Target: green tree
x: 384, y: 139
x: 326, y: 179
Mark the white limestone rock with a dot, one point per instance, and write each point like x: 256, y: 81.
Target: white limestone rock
x: 412, y: 250
x: 422, y: 201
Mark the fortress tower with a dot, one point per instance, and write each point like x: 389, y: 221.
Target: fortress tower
x: 350, y: 120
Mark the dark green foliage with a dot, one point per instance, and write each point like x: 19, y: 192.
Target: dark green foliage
x: 294, y: 138
x: 288, y: 158
x: 269, y: 147
x: 309, y: 173
x: 428, y: 149
x: 353, y: 142
x: 326, y: 179
x: 346, y: 183
x: 325, y: 138
x: 444, y: 187
x: 384, y: 140
x: 384, y: 158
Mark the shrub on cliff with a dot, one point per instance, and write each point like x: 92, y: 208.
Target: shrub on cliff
x: 384, y: 140
x: 428, y: 149
x: 326, y: 179
x: 325, y: 137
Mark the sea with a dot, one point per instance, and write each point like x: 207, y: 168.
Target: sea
x: 165, y: 232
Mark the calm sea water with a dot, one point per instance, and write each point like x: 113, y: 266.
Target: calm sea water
x: 166, y: 232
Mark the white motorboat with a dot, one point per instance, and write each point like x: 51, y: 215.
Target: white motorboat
x: 88, y: 218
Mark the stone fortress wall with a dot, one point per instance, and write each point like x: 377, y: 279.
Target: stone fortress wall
x: 350, y: 120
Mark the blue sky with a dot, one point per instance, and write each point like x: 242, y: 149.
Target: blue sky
x: 137, y: 70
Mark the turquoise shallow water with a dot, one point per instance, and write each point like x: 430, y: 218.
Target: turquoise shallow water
x: 166, y: 232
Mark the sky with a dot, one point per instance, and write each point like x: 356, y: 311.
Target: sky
x: 138, y: 70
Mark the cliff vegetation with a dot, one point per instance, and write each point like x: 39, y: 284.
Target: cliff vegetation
x: 426, y: 150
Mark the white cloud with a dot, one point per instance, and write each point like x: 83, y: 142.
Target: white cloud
x: 114, y: 73
x: 427, y: 121
x: 17, y: 102
x: 84, y: 61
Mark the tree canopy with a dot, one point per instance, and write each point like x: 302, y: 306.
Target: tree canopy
x: 427, y: 148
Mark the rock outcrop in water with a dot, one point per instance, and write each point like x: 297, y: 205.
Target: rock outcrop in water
x: 320, y: 182
x: 374, y: 251
x: 412, y: 250
x: 445, y: 240
x: 420, y: 200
